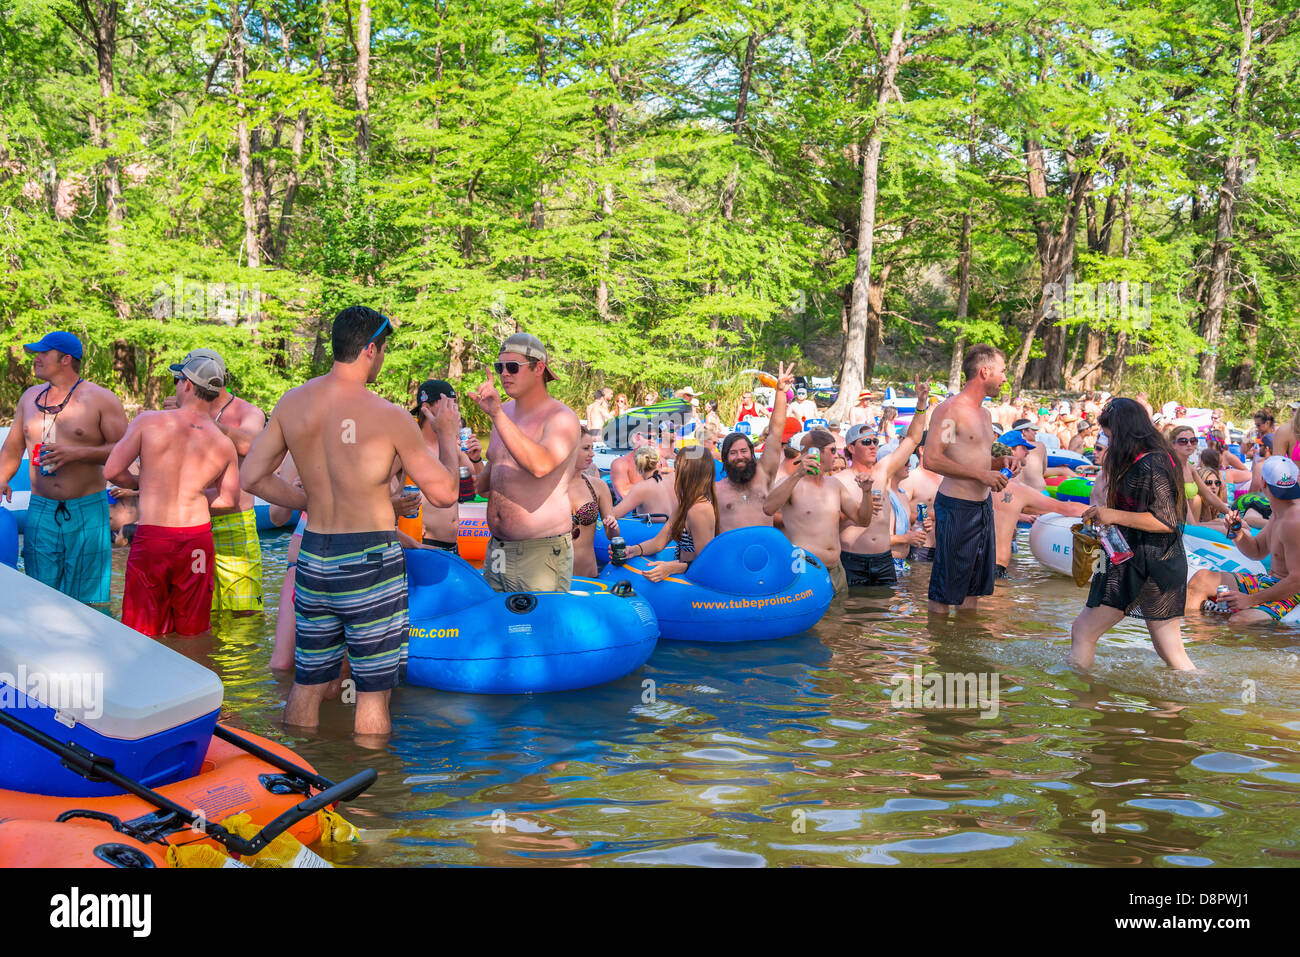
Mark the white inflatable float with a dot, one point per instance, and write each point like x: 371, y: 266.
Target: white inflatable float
x: 1052, y: 543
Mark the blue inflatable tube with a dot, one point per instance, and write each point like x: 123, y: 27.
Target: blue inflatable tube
x: 634, y: 530
x: 1059, y: 457
x: 749, y: 584
x: 466, y: 637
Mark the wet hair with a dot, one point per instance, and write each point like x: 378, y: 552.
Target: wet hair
x: 977, y: 357
x: 645, y: 458
x: 693, y: 483
x: 207, y: 395
x: 353, y: 329
x: 1133, y: 434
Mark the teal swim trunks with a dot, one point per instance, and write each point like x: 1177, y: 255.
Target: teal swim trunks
x: 67, y: 546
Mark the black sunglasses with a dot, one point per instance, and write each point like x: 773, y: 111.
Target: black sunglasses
x: 511, y: 367
x: 872, y: 441
x: 1184, y: 441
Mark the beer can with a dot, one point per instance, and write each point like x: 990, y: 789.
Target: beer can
x: 617, y: 550
x: 1005, y: 472
x: 920, y: 511
x: 412, y: 489
x: 815, y: 454
x: 465, y: 435
x: 466, y: 484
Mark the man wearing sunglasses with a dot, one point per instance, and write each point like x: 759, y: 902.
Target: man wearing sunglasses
x: 534, y: 442
x: 187, y: 468
x: 865, y: 549
x: 350, y: 580
x: 747, y: 476
x: 74, y: 424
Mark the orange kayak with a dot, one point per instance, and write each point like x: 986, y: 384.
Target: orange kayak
x: 231, y: 781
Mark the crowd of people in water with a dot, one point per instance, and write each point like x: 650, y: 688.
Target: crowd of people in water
x: 867, y: 496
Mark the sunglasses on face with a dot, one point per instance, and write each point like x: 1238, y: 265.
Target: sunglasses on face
x: 871, y: 441
x: 1184, y: 441
x: 1214, y: 484
x: 511, y: 367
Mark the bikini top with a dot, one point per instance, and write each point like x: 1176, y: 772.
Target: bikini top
x: 587, y: 512
x: 685, y: 542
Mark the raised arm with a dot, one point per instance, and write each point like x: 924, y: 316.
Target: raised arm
x: 912, y: 438
x: 784, y: 489
x: 559, y: 437
x: 117, y: 468
x: 770, y: 460
x: 257, y: 474
x: 437, y: 478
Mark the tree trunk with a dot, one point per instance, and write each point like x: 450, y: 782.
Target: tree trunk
x: 875, y: 323
x: 963, y: 300
x: 1125, y: 247
x: 738, y: 127
x: 247, y: 189
x: 1211, y: 326
x: 361, y: 82
x: 1243, y: 374
x: 102, y: 20
x: 859, y: 315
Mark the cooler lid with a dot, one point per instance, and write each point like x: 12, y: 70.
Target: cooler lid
x: 94, y: 669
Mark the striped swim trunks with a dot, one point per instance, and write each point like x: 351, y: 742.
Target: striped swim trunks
x: 350, y: 595
x: 1248, y: 583
x: 68, y: 546
x: 238, y: 563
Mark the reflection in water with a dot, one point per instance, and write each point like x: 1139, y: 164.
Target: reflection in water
x: 792, y: 752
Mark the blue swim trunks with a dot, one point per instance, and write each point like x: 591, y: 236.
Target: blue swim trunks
x: 350, y: 595
x: 67, y: 546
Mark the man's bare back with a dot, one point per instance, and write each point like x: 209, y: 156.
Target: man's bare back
x: 182, y: 454
x: 1015, y: 498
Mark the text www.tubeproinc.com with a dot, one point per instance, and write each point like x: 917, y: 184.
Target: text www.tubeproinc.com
x: 433, y: 633
x: 750, y: 602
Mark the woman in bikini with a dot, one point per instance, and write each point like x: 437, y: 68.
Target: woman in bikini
x: 694, y: 522
x: 654, y: 495
x: 1195, y: 491
x: 588, y: 501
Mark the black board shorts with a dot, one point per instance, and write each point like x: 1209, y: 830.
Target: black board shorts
x: 870, y: 569
x: 964, y: 549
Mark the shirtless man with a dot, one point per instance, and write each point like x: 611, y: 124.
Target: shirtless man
x: 533, y: 446
x: 1008, y: 503
x: 812, y: 504
x: 1261, y: 599
x: 866, y: 548
x: 238, y: 588
x: 921, y: 486
x: 598, y: 413
x: 747, y: 481
x: 803, y: 408
x: 350, y: 580
x: 186, y: 465
x: 957, y: 447
x: 623, y: 471
x: 67, y: 544
x: 861, y: 413
x: 440, y: 521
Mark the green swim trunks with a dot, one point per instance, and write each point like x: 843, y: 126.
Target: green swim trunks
x: 238, y: 563
x: 67, y: 546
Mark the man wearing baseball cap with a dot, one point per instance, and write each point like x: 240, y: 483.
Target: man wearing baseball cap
x: 67, y: 427
x: 534, y: 442
x: 238, y: 582
x: 1263, y: 598
x: 350, y: 579
x: 183, y: 455
x: 440, y: 521
x: 803, y: 408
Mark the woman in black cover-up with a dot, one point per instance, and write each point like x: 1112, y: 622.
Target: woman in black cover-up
x: 1145, y: 499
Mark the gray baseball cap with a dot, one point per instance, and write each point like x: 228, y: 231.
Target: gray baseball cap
x: 204, y: 368
x: 526, y: 344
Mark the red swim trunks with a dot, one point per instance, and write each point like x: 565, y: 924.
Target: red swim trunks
x: 169, y: 580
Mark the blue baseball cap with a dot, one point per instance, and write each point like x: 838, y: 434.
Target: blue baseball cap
x: 1013, y: 437
x: 65, y: 342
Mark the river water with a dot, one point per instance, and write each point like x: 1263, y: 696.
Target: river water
x: 793, y: 752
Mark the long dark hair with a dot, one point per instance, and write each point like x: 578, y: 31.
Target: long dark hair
x: 1132, y: 435
x: 693, y: 483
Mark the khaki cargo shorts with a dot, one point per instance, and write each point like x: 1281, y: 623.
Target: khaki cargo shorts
x: 538, y: 564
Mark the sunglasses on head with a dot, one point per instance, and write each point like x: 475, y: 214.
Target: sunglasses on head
x: 382, y: 326
x: 511, y: 368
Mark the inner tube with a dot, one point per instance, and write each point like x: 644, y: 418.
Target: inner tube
x: 1075, y: 490
x: 635, y: 530
x: 8, y: 538
x: 466, y: 637
x: 748, y: 584
x: 1057, y: 458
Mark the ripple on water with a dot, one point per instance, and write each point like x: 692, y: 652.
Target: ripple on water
x: 1227, y: 763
